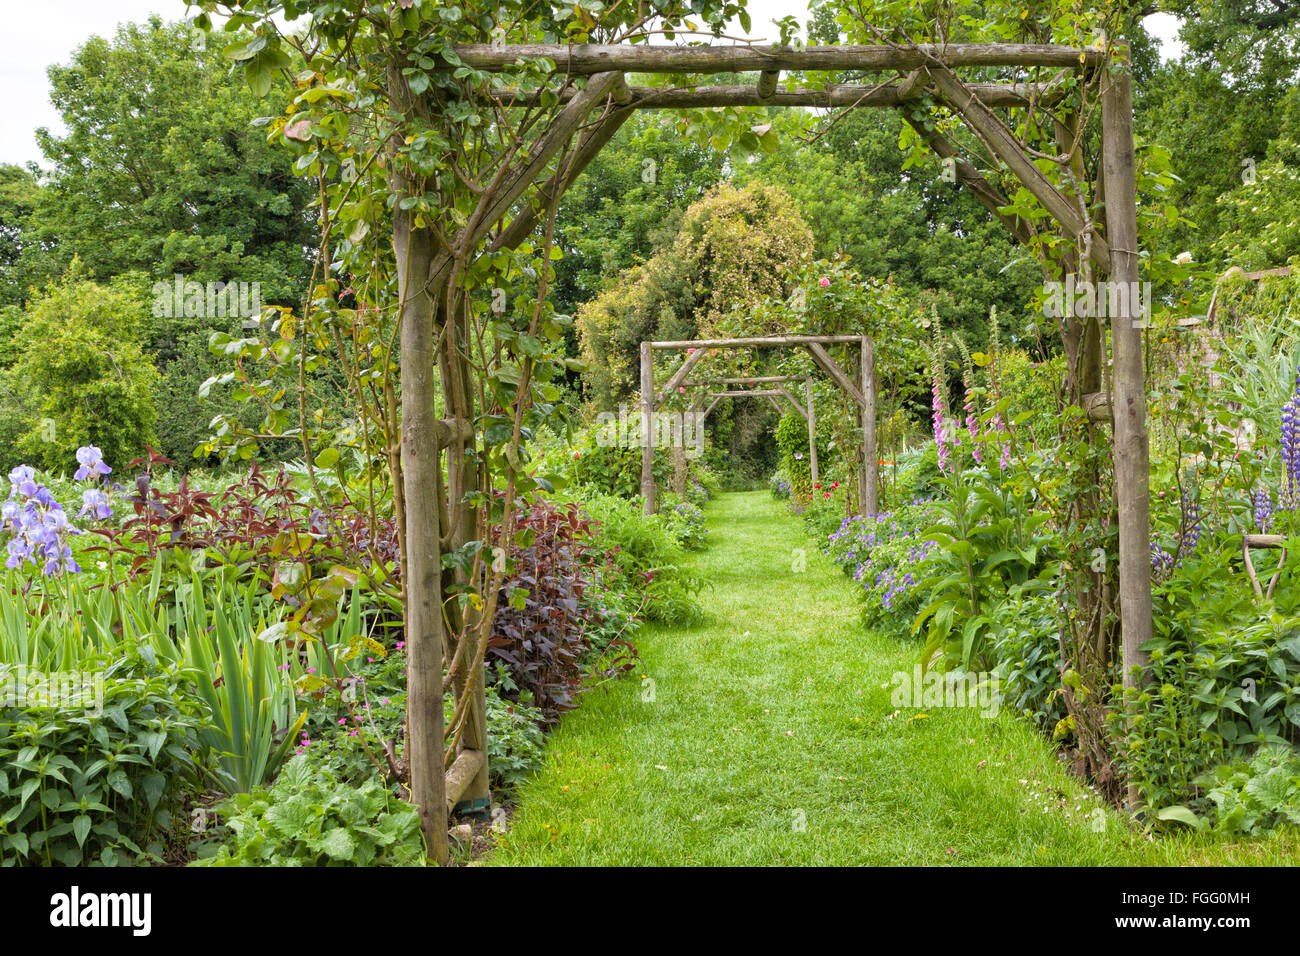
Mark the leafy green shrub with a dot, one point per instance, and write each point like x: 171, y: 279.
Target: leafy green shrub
x: 1251, y: 798
x: 792, y: 440
x: 990, y: 544
x: 77, y: 786
x: 915, y: 474
x: 308, y: 817
x: 1208, y: 702
x: 80, y: 377
x: 645, y: 550
x: 687, y: 522
x: 1027, y: 648
x: 515, y: 737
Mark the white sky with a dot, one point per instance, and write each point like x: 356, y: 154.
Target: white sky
x: 47, y: 32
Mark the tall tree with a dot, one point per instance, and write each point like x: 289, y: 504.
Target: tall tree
x: 162, y: 170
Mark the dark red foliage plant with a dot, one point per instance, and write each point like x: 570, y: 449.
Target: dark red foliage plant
x: 539, y: 634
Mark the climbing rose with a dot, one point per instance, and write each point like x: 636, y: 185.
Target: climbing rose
x: 825, y: 282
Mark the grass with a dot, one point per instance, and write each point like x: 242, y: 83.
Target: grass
x: 766, y: 736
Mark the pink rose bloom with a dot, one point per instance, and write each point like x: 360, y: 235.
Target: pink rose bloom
x: 825, y: 282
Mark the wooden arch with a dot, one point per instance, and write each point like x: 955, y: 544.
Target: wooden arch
x: 590, y: 116
x: 807, y: 410
x: 861, y: 393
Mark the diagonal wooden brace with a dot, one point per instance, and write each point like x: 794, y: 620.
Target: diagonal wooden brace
x: 828, y: 365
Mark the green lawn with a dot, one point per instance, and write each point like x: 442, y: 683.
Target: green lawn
x: 766, y: 737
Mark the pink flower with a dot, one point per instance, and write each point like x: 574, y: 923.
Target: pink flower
x: 825, y: 282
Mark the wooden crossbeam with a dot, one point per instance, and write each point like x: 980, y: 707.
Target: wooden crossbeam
x: 752, y: 380
x: 758, y: 342
x: 585, y: 59
x: 835, y: 95
x: 737, y: 393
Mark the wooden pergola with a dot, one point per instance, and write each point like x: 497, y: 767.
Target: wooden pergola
x: 861, y: 393
x: 807, y: 410
x: 589, y: 115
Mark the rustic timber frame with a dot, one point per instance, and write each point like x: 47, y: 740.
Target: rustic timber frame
x: 437, y: 516
x: 807, y: 411
x: 861, y: 393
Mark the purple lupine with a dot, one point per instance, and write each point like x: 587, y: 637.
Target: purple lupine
x: 1191, y: 535
x: 1263, y: 510
x: 1162, y: 562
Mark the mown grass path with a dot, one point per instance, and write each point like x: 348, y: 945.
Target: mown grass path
x: 767, y: 738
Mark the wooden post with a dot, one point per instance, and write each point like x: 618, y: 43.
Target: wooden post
x: 1132, y: 462
x: 870, y: 491
x: 647, y: 430
x: 812, y: 429
x: 423, y: 572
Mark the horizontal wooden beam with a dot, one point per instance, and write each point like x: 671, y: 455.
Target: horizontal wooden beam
x: 759, y: 342
x: 752, y: 380
x: 589, y: 58
x: 838, y: 95
x: 739, y: 393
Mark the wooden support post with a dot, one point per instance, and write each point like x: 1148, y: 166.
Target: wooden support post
x: 1132, y: 462
x: 422, y: 576
x: 870, y: 491
x: 767, y: 81
x: 812, y: 429
x: 647, y: 430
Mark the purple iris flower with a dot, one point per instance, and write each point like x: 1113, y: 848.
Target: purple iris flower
x: 92, y: 464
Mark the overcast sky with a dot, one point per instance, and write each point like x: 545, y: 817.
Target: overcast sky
x: 40, y: 34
